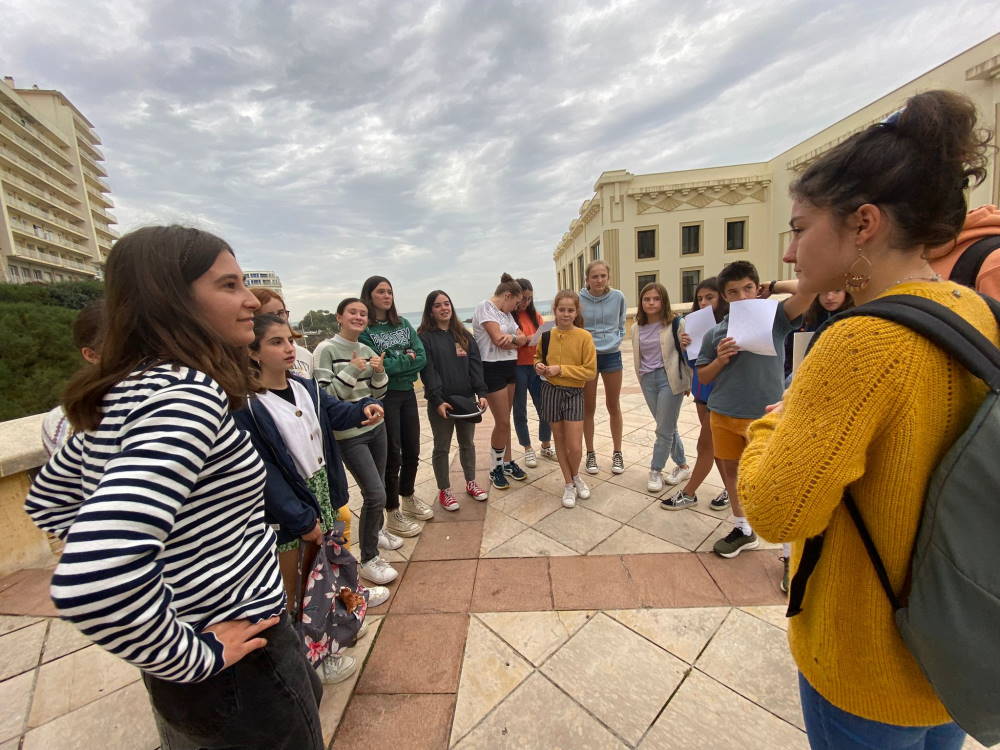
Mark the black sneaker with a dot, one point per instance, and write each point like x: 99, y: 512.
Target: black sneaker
x: 721, y: 502
x: 498, y: 478
x: 514, y: 471
x: 617, y: 463
x: 735, y: 542
x: 591, y: 462
x: 679, y: 501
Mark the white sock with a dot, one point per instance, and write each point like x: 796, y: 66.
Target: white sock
x: 576, y: 478
x: 743, y: 524
x: 570, y: 486
x: 497, y: 456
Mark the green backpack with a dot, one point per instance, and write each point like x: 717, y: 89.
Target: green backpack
x: 949, y: 616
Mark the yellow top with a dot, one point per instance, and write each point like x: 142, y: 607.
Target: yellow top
x: 574, y: 352
x: 875, y: 407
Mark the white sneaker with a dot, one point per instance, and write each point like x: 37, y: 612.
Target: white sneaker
x: 548, y: 453
x: 399, y: 523
x: 530, y: 459
x: 377, y: 595
x: 337, y: 668
x: 678, y: 475
x: 655, y: 483
x: 582, y: 490
x: 413, y: 506
x: 569, y: 496
x: 362, y: 631
x: 388, y: 541
x: 377, y: 571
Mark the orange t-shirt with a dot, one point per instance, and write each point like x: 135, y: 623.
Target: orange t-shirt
x: 526, y: 354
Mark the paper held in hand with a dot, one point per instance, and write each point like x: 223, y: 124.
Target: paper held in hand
x: 751, y: 325
x: 800, y: 342
x: 538, y: 334
x: 696, y: 325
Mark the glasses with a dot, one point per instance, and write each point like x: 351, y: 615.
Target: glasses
x: 281, y: 313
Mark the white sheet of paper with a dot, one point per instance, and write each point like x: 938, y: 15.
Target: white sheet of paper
x: 800, y: 341
x: 751, y: 322
x: 542, y: 329
x: 696, y: 325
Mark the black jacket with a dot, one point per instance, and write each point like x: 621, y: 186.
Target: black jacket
x: 447, y: 372
x: 288, y: 502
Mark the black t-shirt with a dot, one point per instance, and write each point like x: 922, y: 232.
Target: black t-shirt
x: 285, y: 393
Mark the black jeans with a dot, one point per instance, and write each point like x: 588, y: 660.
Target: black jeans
x: 268, y: 700
x: 364, y: 456
x: 402, y: 426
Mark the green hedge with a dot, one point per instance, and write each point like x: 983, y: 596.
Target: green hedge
x: 75, y: 295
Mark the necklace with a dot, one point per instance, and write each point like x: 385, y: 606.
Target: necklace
x: 916, y: 277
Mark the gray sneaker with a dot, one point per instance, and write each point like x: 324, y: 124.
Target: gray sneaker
x: 679, y: 501
x: 592, y: 462
x: 735, y: 542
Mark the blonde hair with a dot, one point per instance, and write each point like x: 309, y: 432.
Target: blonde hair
x: 571, y: 295
x: 666, y: 313
x: 590, y: 267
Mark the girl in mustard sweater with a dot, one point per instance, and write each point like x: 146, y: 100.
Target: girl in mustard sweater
x: 568, y: 363
x: 874, y: 408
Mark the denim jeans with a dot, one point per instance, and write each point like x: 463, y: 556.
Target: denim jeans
x: 830, y: 728
x: 528, y: 382
x: 364, y: 456
x: 665, y: 407
x: 268, y: 699
x: 442, y: 430
x: 402, y: 428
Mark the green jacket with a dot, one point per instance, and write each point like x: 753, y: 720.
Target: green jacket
x: 394, y: 342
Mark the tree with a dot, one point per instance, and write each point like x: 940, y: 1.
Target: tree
x: 322, y: 322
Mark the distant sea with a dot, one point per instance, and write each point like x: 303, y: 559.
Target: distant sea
x: 464, y: 314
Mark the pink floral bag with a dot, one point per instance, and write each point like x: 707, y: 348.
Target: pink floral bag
x: 333, y: 602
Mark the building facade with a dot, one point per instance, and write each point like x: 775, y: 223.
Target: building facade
x: 265, y: 279
x: 678, y: 228
x: 55, y: 223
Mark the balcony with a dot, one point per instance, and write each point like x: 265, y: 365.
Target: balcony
x: 105, y: 233
x: 56, y: 202
x: 89, y: 162
x: 53, y: 260
x: 55, y: 241
x: 55, y: 147
x: 28, y: 149
x: 100, y: 212
x: 31, y: 171
x: 99, y: 199
x: 99, y: 184
x: 40, y: 214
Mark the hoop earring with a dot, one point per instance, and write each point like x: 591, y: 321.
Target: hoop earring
x: 857, y: 279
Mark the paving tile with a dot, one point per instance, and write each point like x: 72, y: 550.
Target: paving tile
x: 396, y: 721
x: 416, y: 654
x: 63, y: 638
x: 512, y: 584
x: 28, y: 594
x: 15, y: 699
x: 10, y: 623
x: 635, y: 677
x: 336, y: 697
x: 435, y: 586
x: 617, y: 502
x: 553, y: 483
x: 21, y: 649
x: 530, y: 543
x: 685, y: 528
x: 449, y: 541
x: 752, y: 577
x: 498, y: 528
x: 538, y: 709
x: 529, y: 504
x: 470, y: 510
x: 684, y: 632
x: 703, y: 714
x: 536, y: 635
x: 13, y: 578
x: 632, y: 541
x: 578, y: 528
x: 122, y: 720
x: 75, y: 680
x: 635, y: 477
x: 773, y: 614
x: 751, y: 657
x: 705, y: 493
x: 490, y: 671
x: 672, y: 580
x: 592, y: 583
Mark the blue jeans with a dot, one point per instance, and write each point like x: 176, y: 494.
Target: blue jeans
x: 665, y: 407
x: 830, y: 728
x: 528, y: 382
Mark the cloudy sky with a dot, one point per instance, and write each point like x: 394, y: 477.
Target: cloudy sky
x: 440, y: 144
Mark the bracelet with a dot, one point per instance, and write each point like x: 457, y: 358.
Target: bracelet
x: 771, y: 288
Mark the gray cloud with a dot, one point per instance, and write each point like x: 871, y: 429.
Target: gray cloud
x: 440, y: 144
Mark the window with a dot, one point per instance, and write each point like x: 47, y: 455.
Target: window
x: 595, y: 250
x: 690, y: 278
x: 641, y: 279
x: 736, y: 233
x: 645, y: 244
x: 691, y: 239
x: 38, y: 274
x: 580, y: 272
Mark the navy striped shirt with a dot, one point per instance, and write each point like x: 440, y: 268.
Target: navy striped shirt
x: 162, y: 511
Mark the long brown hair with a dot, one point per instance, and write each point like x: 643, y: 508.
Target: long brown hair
x: 151, y: 318
x: 666, y: 312
x: 569, y: 294
x: 455, y: 326
x: 261, y: 325
x: 391, y: 316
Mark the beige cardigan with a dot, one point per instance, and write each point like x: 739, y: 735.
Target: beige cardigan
x: 674, y: 363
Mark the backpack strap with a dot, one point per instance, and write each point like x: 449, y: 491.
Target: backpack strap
x: 545, y: 346
x: 966, y: 268
x: 954, y: 335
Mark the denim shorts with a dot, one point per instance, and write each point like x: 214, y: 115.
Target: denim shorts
x: 610, y: 362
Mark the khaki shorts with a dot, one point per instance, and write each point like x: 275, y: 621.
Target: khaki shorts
x: 729, y: 436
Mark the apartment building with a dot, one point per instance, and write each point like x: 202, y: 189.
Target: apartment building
x: 265, y: 279
x: 680, y: 227
x: 55, y: 220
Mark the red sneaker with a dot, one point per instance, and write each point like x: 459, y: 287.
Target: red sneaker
x: 447, y: 500
x: 476, y: 491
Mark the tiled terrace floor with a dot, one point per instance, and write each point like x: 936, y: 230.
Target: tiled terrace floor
x: 514, y: 624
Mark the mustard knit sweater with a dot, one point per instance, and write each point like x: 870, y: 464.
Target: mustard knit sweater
x: 574, y: 352
x: 875, y: 407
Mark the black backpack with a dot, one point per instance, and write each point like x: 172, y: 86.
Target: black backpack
x: 966, y: 269
x: 949, y: 613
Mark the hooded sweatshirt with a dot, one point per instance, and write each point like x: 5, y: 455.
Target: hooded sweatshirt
x: 604, y: 317
x: 394, y: 342
x: 980, y: 222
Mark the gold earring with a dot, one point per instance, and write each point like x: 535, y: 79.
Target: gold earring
x: 857, y: 279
